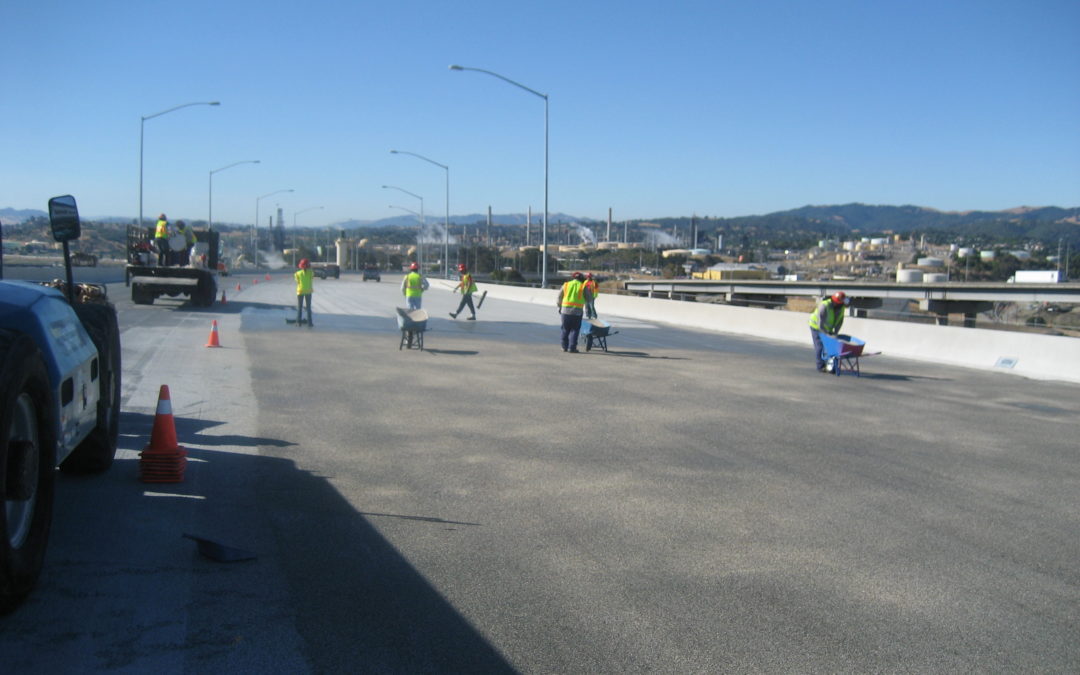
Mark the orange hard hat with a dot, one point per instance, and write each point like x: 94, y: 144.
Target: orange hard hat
x: 304, y: 263
x: 839, y: 297
x: 589, y: 275
x: 413, y: 266
x: 461, y: 267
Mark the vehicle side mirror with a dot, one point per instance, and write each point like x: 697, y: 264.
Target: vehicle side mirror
x: 64, y: 218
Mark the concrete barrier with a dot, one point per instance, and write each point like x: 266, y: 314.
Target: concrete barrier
x: 1042, y: 357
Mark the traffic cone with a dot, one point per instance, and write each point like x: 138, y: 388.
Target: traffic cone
x: 238, y: 288
x: 213, y: 341
x: 254, y: 281
x: 223, y: 300
x: 268, y: 276
x: 163, y: 460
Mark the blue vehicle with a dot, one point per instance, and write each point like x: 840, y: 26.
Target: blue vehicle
x: 59, y: 403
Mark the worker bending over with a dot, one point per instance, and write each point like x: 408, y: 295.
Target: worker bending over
x: 571, y: 303
x: 827, y: 317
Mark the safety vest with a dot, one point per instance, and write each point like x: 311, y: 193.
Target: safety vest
x: 573, y: 294
x: 593, y: 287
x: 304, y: 281
x: 467, y: 284
x: 189, y: 236
x: 834, y: 316
x: 162, y: 230
x: 414, y: 285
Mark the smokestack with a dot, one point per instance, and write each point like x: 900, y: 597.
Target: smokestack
x: 608, y: 237
x: 528, y: 227
x: 489, y: 226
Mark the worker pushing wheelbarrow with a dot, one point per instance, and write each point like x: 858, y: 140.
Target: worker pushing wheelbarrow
x: 840, y: 353
x: 413, y: 323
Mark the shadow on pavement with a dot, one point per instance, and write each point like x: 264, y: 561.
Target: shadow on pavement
x: 324, y: 579
x: 139, y: 425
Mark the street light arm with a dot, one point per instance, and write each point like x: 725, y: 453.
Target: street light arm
x: 406, y: 152
x: 392, y: 187
x: 244, y: 161
x: 271, y: 194
x: 504, y: 79
x: 182, y: 105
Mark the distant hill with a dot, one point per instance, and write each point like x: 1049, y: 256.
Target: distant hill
x: 796, y: 226
x: 10, y: 216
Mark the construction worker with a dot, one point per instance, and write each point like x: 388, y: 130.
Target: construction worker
x: 413, y: 286
x: 571, y: 303
x: 827, y: 317
x: 468, y: 287
x: 183, y: 256
x: 305, y: 285
x: 161, y: 240
x: 594, y: 289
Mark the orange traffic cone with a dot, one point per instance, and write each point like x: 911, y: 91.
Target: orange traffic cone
x: 238, y: 288
x: 254, y: 281
x: 163, y: 460
x: 223, y: 300
x: 213, y: 341
x: 268, y: 276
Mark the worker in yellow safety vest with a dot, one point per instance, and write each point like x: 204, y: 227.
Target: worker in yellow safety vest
x: 571, y: 303
x: 413, y: 286
x: 826, y: 318
x: 594, y: 288
x: 305, y: 286
x: 161, y: 240
x: 468, y: 287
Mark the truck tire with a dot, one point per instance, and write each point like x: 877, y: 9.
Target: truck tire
x: 27, y: 466
x: 205, y: 292
x: 140, y: 295
x: 95, y: 454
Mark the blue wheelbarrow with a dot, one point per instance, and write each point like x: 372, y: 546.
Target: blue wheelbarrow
x: 841, y: 352
x: 596, y: 331
x: 413, y: 323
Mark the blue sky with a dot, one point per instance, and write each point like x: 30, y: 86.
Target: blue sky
x: 656, y: 109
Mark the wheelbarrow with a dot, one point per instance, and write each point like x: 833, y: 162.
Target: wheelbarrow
x: 841, y: 352
x: 596, y: 331
x: 413, y: 323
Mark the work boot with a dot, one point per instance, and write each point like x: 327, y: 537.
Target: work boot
x: 453, y: 315
x: 471, y: 318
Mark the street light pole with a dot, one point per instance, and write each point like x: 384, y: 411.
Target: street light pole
x: 420, y: 238
x: 255, y: 231
x: 210, y: 197
x: 543, y: 251
x: 446, y: 223
x: 142, y: 124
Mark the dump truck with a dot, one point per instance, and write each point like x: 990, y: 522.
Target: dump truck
x: 59, y: 401
x: 148, y: 281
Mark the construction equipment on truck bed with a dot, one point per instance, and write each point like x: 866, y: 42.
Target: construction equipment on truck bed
x: 197, y: 280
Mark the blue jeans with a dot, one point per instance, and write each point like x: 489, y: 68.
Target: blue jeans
x: 571, y: 326
x: 301, y: 301
x: 413, y: 302
x: 819, y: 349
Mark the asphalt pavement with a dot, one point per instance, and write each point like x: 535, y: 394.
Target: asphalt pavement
x: 685, y: 502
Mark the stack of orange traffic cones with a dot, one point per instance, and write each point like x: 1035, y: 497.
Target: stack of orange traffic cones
x: 213, y: 341
x: 163, y: 460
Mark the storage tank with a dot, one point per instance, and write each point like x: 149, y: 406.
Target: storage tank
x: 987, y: 255
x: 909, y: 276
x: 849, y: 246
x: 935, y: 278
x: 931, y: 262
x: 879, y: 241
x: 965, y: 251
